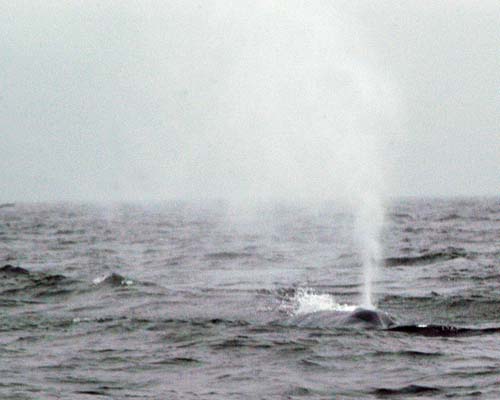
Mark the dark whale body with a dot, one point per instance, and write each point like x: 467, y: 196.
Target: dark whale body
x: 442, y: 330
x: 360, y: 318
x: 375, y: 319
x: 371, y: 318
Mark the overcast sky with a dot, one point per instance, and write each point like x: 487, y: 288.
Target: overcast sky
x: 149, y: 100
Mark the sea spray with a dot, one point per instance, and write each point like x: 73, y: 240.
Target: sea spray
x: 369, y: 221
x: 302, y: 113
x: 306, y: 301
x: 367, y: 201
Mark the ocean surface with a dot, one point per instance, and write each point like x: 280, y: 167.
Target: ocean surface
x: 212, y: 301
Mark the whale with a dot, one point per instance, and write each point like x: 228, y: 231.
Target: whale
x: 363, y: 318
x: 359, y: 318
x: 441, y: 330
x: 369, y: 318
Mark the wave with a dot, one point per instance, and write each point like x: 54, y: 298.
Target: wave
x: 17, y: 280
x: 410, y: 389
x: 25, y: 284
x: 408, y: 353
x: 402, y: 215
x: 227, y: 255
x: 179, y: 361
x: 112, y: 279
x: 449, y: 217
x: 241, y: 342
x: 9, y: 270
x: 426, y: 258
x: 162, y: 324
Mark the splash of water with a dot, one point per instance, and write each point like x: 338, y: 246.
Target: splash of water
x: 306, y: 301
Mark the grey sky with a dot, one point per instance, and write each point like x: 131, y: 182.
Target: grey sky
x: 152, y: 100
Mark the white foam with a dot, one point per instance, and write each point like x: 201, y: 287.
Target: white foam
x: 99, y: 279
x: 306, y: 301
x: 77, y: 320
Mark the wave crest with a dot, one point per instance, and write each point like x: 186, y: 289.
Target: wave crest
x: 112, y: 279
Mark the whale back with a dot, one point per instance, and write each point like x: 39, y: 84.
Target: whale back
x: 369, y: 318
x: 359, y: 318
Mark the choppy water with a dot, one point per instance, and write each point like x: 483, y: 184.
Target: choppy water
x: 205, y: 302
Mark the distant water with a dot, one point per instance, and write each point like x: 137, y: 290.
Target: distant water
x: 183, y: 301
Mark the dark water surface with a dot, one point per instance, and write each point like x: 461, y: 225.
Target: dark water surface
x: 178, y: 301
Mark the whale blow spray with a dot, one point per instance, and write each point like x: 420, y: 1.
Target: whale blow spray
x: 298, y: 112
